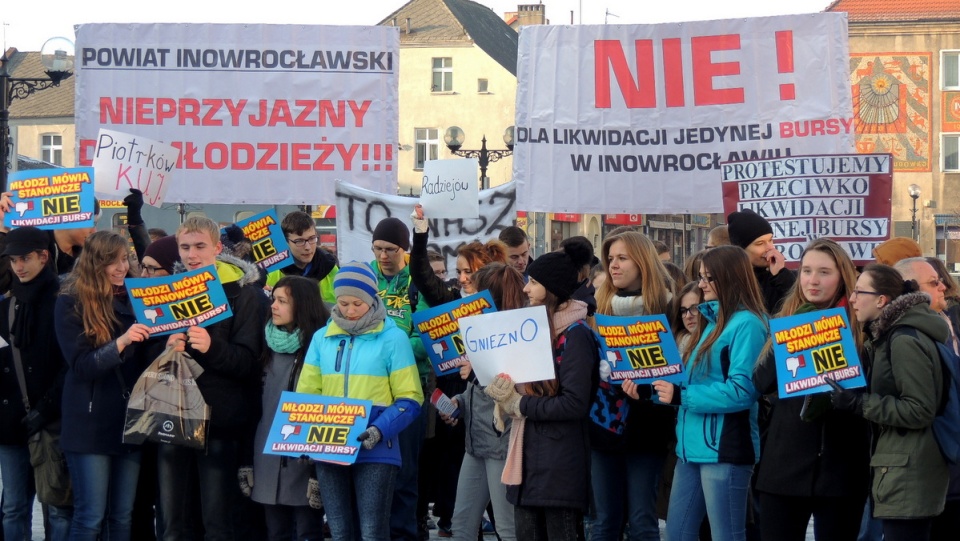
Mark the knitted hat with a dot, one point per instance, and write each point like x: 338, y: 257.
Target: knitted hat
x: 746, y: 226
x: 23, y: 240
x: 558, y: 271
x: 895, y: 249
x: 165, y: 251
x: 231, y: 236
x: 394, y: 231
x: 357, y: 279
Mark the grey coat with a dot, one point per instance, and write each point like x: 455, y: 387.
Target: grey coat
x: 277, y: 480
x: 476, y: 412
x: 910, y: 475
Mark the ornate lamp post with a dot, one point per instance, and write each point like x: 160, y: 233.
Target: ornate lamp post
x: 454, y: 138
x: 57, y: 57
x: 914, y: 194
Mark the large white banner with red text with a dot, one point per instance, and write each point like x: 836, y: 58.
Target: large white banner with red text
x: 638, y: 118
x: 260, y: 113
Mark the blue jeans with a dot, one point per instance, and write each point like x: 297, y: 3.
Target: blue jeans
x: 718, y: 491
x: 60, y: 519
x: 625, y: 479
x: 362, y: 490
x: 403, y: 507
x: 219, y: 492
x: 103, y: 491
x: 17, y: 490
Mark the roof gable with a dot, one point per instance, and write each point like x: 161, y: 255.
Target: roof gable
x: 439, y: 22
x: 49, y: 103
x: 883, y: 11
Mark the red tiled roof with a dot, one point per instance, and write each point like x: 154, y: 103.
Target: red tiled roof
x: 871, y: 11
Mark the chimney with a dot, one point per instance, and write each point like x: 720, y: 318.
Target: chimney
x: 531, y: 14
x: 408, y: 25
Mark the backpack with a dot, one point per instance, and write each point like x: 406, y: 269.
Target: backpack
x: 946, y: 424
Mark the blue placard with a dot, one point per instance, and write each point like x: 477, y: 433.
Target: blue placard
x: 640, y: 348
x: 813, y: 346
x: 52, y: 198
x: 269, y: 245
x: 169, y: 304
x: 324, y: 428
x: 439, y: 329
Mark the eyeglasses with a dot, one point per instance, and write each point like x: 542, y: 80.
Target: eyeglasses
x: 692, y: 310
x: 301, y: 242
x: 859, y: 292
x: 708, y: 279
x: 151, y: 270
x: 440, y: 273
x: 935, y: 283
x: 389, y: 251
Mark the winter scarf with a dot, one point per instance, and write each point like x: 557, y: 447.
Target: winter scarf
x: 281, y: 340
x: 376, y: 315
x: 26, y: 296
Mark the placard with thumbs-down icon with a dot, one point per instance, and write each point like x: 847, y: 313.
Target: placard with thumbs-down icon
x: 811, y: 347
x: 324, y: 428
x: 169, y: 304
x: 52, y: 198
x: 439, y: 328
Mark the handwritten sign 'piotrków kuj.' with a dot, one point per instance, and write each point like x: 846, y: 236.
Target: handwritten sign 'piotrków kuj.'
x: 269, y: 245
x: 324, y: 428
x: 439, y: 328
x: 52, y: 198
x: 125, y: 161
x: 513, y: 342
x: 641, y: 348
x: 811, y: 347
x: 170, y: 304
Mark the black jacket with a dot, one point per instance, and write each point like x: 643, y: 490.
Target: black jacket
x: 433, y: 290
x: 43, y: 366
x: 556, y: 446
x: 774, y: 288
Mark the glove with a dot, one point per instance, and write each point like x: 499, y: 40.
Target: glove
x: 304, y: 460
x: 605, y: 370
x: 504, y: 392
x: 245, y: 478
x: 420, y: 223
x: 134, y: 203
x: 845, y: 399
x: 498, y: 419
x: 313, y: 494
x: 34, y: 421
x: 370, y: 437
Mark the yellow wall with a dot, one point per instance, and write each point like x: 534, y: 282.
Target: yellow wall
x: 476, y: 114
x: 28, y: 138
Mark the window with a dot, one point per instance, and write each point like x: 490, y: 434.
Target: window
x: 950, y: 149
x: 950, y: 70
x: 51, y: 149
x: 482, y: 86
x: 442, y: 75
x: 427, y: 145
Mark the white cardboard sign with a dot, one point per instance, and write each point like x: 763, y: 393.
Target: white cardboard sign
x: 450, y: 188
x: 123, y: 161
x: 514, y: 342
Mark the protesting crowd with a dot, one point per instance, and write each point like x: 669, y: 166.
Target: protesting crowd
x: 717, y: 455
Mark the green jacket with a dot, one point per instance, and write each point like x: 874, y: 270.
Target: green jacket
x: 910, y: 475
x: 395, y: 294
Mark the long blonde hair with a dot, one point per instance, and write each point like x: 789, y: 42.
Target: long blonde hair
x: 655, y: 283
x: 90, y: 286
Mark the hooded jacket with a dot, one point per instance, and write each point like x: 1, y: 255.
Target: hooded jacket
x: 322, y: 268
x: 910, y: 475
x: 232, y: 368
x: 717, y: 420
x: 378, y: 366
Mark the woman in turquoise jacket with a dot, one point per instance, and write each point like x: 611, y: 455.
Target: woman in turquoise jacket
x: 718, y: 440
x: 361, y: 353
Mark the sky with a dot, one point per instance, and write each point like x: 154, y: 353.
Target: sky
x: 27, y: 26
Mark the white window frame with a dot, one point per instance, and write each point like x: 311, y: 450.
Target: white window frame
x: 955, y: 138
x: 426, y: 144
x: 51, y: 152
x: 948, y: 56
x: 445, y: 71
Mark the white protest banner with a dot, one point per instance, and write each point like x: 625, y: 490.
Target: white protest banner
x: 449, y: 188
x: 843, y: 197
x: 124, y: 161
x: 359, y: 211
x: 289, y: 107
x: 513, y: 342
x: 637, y: 118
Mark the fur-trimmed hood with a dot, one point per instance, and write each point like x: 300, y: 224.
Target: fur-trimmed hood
x: 913, y: 310
x: 250, y: 272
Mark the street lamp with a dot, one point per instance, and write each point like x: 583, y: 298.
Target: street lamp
x: 454, y: 138
x: 57, y: 57
x: 914, y: 194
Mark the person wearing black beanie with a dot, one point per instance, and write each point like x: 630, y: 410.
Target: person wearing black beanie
x: 753, y: 233
x: 547, y: 469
